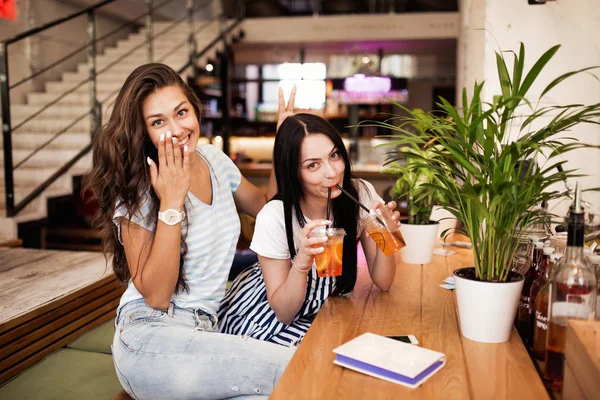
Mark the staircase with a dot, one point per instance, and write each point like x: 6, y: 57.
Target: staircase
x: 43, y: 127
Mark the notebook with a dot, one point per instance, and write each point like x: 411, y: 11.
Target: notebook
x: 389, y: 359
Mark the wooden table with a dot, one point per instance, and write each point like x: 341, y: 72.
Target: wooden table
x: 417, y: 305
x: 49, y: 298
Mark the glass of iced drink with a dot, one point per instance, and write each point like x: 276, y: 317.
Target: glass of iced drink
x: 329, y: 262
x: 386, y: 235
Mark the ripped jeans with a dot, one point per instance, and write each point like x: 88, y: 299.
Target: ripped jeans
x: 175, y: 354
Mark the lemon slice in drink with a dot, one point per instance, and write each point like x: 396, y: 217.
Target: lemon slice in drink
x: 322, y: 260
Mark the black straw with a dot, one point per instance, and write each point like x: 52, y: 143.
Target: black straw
x: 360, y: 204
x: 328, y: 202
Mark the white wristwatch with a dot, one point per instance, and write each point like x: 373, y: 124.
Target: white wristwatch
x: 171, y: 216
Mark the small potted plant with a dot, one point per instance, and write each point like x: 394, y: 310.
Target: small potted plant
x: 413, y: 184
x: 504, y: 157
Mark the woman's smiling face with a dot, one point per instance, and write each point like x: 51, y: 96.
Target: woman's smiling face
x: 168, y: 110
x: 321, y: 167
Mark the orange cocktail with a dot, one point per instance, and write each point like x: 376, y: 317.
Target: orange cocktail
x: 388, y: 238
x: 329, y: 262
x: 388, y: 242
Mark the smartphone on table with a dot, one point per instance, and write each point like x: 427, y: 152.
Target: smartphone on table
x: 411, y: 339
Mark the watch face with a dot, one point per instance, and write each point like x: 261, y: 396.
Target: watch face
x: 171, y: 217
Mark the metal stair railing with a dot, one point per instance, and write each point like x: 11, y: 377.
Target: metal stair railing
x: 13, y: 209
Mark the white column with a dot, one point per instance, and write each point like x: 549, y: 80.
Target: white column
x: 574, y: 24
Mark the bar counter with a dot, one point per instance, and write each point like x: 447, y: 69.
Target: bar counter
x: 416, y: 305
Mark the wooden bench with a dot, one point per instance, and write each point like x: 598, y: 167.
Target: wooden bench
x: 48, y: 299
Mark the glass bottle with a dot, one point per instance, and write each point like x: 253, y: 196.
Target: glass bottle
x: 523, y: 313
x: 538, y: 296
x: 572, y: 295
x: 594, y: 260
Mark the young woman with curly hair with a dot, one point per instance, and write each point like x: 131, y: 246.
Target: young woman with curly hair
x: 168, y: 214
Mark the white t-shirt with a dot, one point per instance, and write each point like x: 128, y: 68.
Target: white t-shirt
x: 212, y: 235
x: 270, y: 239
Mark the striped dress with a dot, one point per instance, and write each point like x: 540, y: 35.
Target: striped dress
x: 245, y: 309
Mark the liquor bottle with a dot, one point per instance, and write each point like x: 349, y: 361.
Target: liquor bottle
x: 523, y: 313
x: 572, y: 295
x: 594, y: 260
x: 538, y: 296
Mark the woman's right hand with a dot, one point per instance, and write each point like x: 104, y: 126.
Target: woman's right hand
x: 284, y: 110
x: 171, y: 180
x: 306, y: 252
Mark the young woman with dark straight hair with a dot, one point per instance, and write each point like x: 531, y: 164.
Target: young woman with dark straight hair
x: 277, y: 299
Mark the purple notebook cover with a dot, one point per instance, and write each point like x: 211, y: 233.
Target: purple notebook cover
x: 389, y: 374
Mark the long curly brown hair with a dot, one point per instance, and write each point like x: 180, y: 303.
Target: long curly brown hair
x: 120, y: 173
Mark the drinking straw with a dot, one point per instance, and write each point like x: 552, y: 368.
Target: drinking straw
x: 360, y: 204
x: 328, y: 203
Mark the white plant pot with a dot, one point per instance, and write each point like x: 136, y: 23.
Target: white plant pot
x: 487, y: 310
x: 420, y: 240
x: 444, y: 218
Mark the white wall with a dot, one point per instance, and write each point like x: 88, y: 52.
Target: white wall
x: 574, y: 24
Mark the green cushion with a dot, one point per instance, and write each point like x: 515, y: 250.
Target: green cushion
x: 98, y: 340
x: 65, y: 375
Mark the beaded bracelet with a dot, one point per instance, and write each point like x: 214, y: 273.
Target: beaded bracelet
x: 296, y: 266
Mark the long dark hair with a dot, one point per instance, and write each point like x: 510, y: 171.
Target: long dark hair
x: 119, y: 172
x: 286, y: 162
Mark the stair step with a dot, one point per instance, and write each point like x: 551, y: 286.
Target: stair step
x: 61, y: 87
x: 131, y: 63
x: 75, y: 98
x: 159, y: 26
x: 32, y: 210
x: 127, y: 65
x: 19, y: 193
x: 37, y: 209
x: 19, y: 112
x: 66, y: 141
x: 29, y: 178
x: 107, y: 77
x: 54, y: 125
x: 45, y: 158
x: 32, y: 177
x: 113, y: 54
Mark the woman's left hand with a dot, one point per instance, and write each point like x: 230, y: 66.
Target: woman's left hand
x: 388, y: 211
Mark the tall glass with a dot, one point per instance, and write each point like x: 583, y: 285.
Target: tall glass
x: 388, y: 236
x: 329, y: 262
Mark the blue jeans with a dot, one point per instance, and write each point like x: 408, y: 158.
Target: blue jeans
x: 175, y: 354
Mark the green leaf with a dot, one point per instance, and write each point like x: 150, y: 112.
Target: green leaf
x: 505, y: 83
x: 536, y: 69
x: 518, y: 69
x: 563, y: 77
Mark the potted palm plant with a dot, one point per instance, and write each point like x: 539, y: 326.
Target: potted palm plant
x: 414, y: 184
x: 503, y: 157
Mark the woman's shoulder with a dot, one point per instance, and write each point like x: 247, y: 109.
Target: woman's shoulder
x: 364, y: 188
x: 209, y: 151
x: 216, y: 158
x: 273, y: 208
